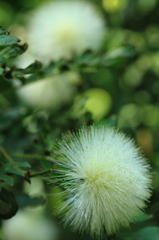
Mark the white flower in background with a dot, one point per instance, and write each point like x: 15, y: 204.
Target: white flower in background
x: 49, y: 93
x: 106, y: 180
x: 63, y: 28
x: 29, y: 225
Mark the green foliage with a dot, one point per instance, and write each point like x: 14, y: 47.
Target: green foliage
x: 143, y: 217
x: 88, y: 61
x: 147, y: 233
x: 8, y: 204
x: 34, y: 67
x: 7, y: 179
x: 126, y: 67
x: 13, y: 50
x: 6, y: 40
x: 3, y: 31
x: 24, y: 200
x: 12, y: 168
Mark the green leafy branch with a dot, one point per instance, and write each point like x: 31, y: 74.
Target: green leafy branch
x: 9, y: 168
x: 86, y: 62
x: 17, y: 168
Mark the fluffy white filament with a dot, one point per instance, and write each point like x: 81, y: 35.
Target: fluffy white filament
x: 63, y: 28
x: 106, y: 180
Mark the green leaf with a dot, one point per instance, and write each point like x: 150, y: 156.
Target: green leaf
x: 148, y: 233
x: 25, y: 200
x: 6, y: 40
x: 1, y: 71
x: 112, y: 121
x: 88, y: 59
x: 8, y: 204
x: 35, y: 76
x: 16, y: 171
x: 8, y: 118
x: 2, y: 60
x: 14, y: 50
x: 50, y: 67
x: 116, y: 56
x: 19, y: 164
x: 7, y: 179
x: 3, y: 31
x: 143, y: 217
x: 34, y: 67
x: 45, y: 164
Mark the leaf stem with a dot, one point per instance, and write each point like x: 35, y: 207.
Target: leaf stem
x: 5, y: 154
x: 27, y: 156
x: 29, y: 174
x: 40, y: 173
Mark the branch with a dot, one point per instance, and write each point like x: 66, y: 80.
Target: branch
x: 32, y: 156
x: 40, y: 173
x: 5, y: 154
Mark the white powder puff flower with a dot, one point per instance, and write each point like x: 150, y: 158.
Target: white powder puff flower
x: 29, y: 224
x: 106, y: 180
x: 49, y: 93
x: 63, y: 28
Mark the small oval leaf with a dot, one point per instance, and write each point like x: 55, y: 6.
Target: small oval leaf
x: 3, y: 31
x: 14, y: 50
x: 16, y: 171
x: 34, y: 67
x: 7, y: 179
x: 6, y: 40
x: 19, y: 164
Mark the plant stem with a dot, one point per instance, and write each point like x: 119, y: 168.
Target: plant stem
x: 40, y: 173
x: 5, y: 154
x: 29, y: 174
x: 32, y: 156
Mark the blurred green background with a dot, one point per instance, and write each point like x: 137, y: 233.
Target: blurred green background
x: 125, y: 95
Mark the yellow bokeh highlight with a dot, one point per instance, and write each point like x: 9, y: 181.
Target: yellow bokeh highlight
x: 98, y: 103
x: 114, y: 5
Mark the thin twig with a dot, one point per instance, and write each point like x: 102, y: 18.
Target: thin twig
x: 40, y: 173
x: 29, y: 174
x: 27, y: 156
x: 5, y: 154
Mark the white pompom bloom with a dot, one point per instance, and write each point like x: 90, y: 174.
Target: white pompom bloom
x: 49, y: 93
x: 63, y: 28
x: 106, y: 180
x: 29, y: 225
